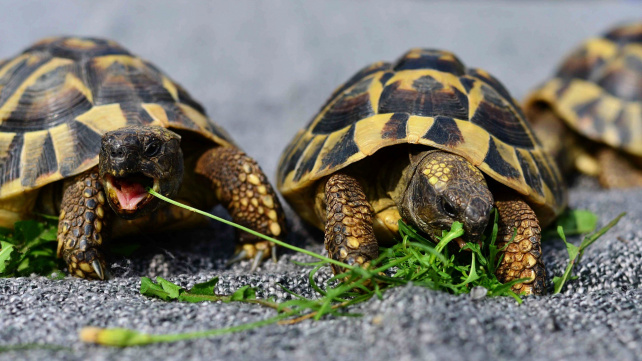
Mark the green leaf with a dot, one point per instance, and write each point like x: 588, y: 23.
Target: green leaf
x: 50, y: 234
x: 244, y: 293
x: 151, y: 289
x: 558, y: 282
x: 4, y: 232
x: 28, y: 230
x: 172, y: 289
x: 34, y: 249
x: 575, y: 252
x: 572, y: 249
x: 577, y: 221
x: 205, y: 288
x: 574, y: 222
x: 5, y: 256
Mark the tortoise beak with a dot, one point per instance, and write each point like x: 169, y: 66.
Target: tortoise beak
x: 128, y: 195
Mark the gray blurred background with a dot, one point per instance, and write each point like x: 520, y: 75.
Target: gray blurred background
x: 262, y: 70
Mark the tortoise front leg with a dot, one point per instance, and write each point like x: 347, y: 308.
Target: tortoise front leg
x: 349, y: 236
x: 522, y: 257
x: 81, y: 225
x: 242, y: 188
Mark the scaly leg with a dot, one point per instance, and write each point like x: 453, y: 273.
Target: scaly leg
x: 243, y: 189
x: 616, y: 171
x: 522, y: 257
x: 82, y: 222
x: 349, y: 236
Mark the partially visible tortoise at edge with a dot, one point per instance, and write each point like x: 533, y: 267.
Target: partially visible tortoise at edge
x: 430, y: 141
x: 83, y: 123
x: 589, y: 115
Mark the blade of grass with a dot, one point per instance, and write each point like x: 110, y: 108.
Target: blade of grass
x: 267, y: 238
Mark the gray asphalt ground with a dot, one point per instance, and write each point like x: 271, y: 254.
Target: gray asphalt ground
x: 262, y: 70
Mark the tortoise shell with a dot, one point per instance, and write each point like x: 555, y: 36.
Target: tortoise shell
x: 427, y: 97
x: 60, y: 95
x: 597, y: 90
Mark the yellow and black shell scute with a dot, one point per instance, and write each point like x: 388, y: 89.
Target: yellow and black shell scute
x: 427, y: 97
x: 59, y: 96
x: 597, y: 90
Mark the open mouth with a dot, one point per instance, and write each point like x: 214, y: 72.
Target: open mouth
x: 129, y: 193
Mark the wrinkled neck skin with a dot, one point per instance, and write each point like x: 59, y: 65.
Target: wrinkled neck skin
x: 433, y: 189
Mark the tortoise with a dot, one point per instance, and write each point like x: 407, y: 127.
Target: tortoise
x: 589, y: 115
x: 430, y: 141
x: 83, y: 122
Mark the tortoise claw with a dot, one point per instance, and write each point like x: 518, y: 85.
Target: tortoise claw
x: 254, y: 252
x: 98, y: 268
x: 237, y: 258
x: 257, y: 260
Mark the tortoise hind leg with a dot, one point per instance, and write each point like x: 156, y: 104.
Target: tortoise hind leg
x: 349, y: 235
x: 243, y: 189
x: 522, y: 257
x: 616, y: 171
x: 81, y: 225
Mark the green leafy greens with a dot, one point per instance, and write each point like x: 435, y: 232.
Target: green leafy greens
x: 29, y: 248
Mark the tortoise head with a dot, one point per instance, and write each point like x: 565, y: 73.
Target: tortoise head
x: 133, y: 158
x: 445, y: 188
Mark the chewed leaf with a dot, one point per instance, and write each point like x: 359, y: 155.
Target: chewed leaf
x: 205, y: 288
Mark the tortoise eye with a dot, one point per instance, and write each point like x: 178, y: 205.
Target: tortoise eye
x: 152, y: 149
x: 447, y: 207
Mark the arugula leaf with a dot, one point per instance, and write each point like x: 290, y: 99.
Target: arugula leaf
x: 575, y: 252
x: 151, y: 289
x: 173, y: 290
x: 29, y: 248
x: 205, y: 288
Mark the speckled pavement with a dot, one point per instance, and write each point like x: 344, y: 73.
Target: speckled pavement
x: 262, y: 70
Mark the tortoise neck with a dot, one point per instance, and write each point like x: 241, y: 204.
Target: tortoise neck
x: 398, y: 173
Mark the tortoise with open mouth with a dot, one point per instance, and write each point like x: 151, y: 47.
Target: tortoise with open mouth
x: 430, y: 141
x: 84, y: 123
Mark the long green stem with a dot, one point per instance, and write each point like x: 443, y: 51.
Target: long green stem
x: 270, y: 239
x: 122, y: 337
x: 228, y: 298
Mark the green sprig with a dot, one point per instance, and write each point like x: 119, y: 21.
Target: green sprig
x: 415, y: 259
x: 201, y: 292
x: 29, y: 248
x: 575, y: 253
x: 250, y: 231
